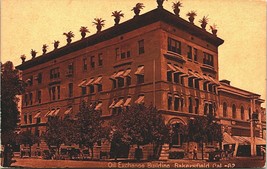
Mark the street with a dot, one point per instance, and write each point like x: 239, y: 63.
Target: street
x: 181, y: 163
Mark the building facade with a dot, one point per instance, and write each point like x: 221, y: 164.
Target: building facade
x: 156, y: 58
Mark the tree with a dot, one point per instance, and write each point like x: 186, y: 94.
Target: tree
x: 204, y: 129
x: 11, y: 87
x: 70, y: 133
x: 140, y: 125
x: 53, y: 135
x: 27, y: 138
x: 88, y: 126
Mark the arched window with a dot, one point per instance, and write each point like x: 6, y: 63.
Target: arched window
x: 242, y: 113
x: 234, y: 111
x: 224, y: 109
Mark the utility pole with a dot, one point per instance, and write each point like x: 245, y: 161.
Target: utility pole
x: 252, y: 128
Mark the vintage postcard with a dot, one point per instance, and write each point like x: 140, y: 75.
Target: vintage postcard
x: 133, y: 84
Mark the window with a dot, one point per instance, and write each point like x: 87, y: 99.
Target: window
x: 25, y: 119
x: 196, y: 106
x: 120, y: 82
x: 92, y: 61
x: 38, y: 120
x: 190, y: 82
x: 174, y: 45
x: 195, y: 54
x: 128, y: 80
x: 84, y: 90
x: 176, y: 78
x: 140, y: 74
x: 70, y: 89
x: 39, y: 96
x: 123, y: 55
x: 99, y: 87
x: 211, y: 109
x: 140, y: 79
x: 206, y: 108
x: 208, y: 59
x: 234, y: 111
x: 141, y: 45
x: 224, y: 109
x: 54, y: 93
x: 182, y: 103
x: 169, y: 102
x: 54, y: 73
x: 70, y: 69
x: 169, y: 76
x: 242, y: 113
x: 117, y: 53
x: 100, y: 59
x: 26, y: 99
x: 196, y: 83
x: 58, y: 92
x: 30, y: 97
x: 39, y: 78
x: 91, y: 89
x: 84, y: 64
x: 176, y: 103
x: 128, y: 54
x: 30, y: 119
x: 210, y: 87
x: 189, y: 52
x: 190, y: 107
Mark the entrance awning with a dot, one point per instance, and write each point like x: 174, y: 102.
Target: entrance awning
x: 82, y: 84
x: 98, y: 106
x: 37, y: 115
x: 90, y: 82
x: 68, y: 111
x: 260, y: 141
x: 140, y: 70
x: 241, y: 140
x: 227, y: 139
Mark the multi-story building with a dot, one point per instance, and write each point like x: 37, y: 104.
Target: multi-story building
x: 156, y: 58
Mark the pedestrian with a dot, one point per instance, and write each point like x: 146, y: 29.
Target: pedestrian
x: 195, y: 153
x: 263, y: 152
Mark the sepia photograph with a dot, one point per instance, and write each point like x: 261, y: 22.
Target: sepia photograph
x: 133, y: 83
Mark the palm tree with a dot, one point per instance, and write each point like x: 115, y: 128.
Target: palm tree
x: 45, y: 48
x: 214, y: 29
x: 69, y: 35
x: 204, y: 22
x: 191, y: 16
x: 138, y: 8
x: 33, y: 53
x: 56, y: 43
x: 83, y: 31
x: 23, y: 57
x: 99, y: 22
x: 175, y: 7
x: 160, y: 3
x: 117, y: 15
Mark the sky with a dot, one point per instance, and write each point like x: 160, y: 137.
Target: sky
x: 28, y: 24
